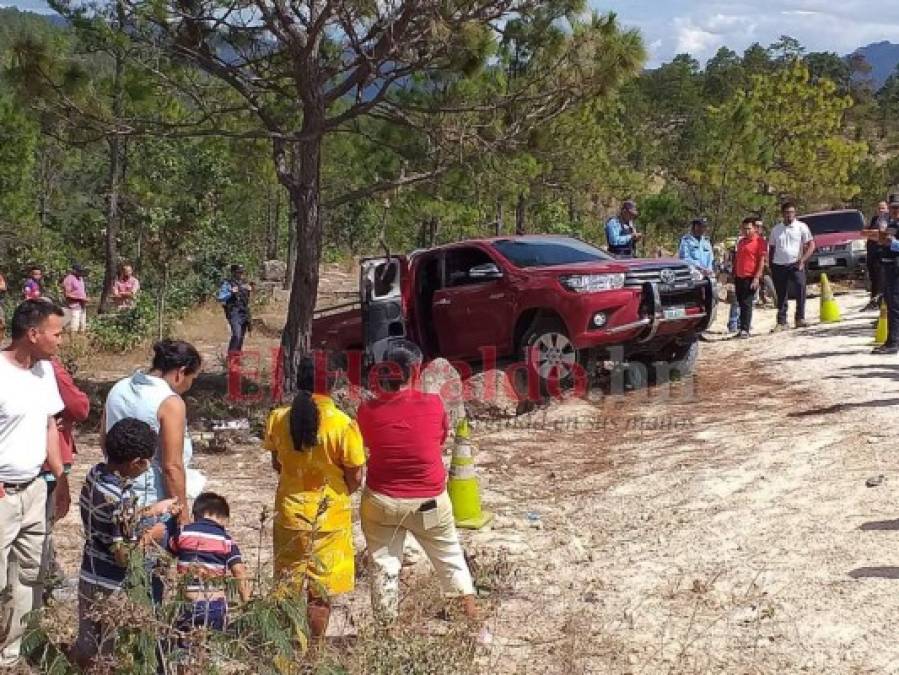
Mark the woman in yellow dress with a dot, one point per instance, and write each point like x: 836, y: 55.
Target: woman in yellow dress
x: 318, y: 453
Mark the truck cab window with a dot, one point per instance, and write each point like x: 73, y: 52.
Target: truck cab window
x: 458, y: 263
x: 386, y: 281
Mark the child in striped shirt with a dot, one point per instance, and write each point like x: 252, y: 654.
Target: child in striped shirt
x: 207, y: 556
x: 110, y: 515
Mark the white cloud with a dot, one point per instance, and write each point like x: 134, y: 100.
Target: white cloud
x: 693, y: 39
x: 702, y: 26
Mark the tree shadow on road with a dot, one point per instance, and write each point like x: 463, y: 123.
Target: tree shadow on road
x: 880, y: 526
x: 874, y: 374
x: 839, y: 330
x: 840, y: 407
x: 821, y: 355
x: 875, y: 573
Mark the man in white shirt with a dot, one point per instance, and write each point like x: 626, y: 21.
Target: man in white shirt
x: 789, y: 248
x: 29, y: 401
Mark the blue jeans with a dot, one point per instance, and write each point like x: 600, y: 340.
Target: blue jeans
x: 210, y: 614
x: 733, y: 319
x: 238, y: 323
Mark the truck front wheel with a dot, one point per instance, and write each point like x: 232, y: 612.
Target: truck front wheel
x: 550, y: 354
x: 681, y: 359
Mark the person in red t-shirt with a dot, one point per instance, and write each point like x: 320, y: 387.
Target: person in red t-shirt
x: 749, y: 265
x: 76, y: 410
x: 404, y: 431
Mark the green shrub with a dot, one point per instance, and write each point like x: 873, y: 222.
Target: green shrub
x: 268, y: 635
x: 127, y: 329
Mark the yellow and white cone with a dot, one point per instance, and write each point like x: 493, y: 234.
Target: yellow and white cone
x: 830, y: 310
x: 880, y: 334
x: 463, y: 484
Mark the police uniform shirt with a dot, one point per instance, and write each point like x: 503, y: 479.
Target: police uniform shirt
x: 697, y: 251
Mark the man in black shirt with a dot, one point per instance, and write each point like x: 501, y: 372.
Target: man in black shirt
x: 888, y: 250
x: 875, y: 276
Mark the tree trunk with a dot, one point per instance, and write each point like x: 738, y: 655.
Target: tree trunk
x: 111, y: 250
x: 291, y: 244
x: 520, y: 214
x: 305, y: 198
x: 573, y: 218
x: 274, y: 220
x: 433, y: 231
x: 116, y: 166
x: 498, y: 225
x: 45, y: 182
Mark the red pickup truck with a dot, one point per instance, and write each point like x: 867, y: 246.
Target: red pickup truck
x: 550, y: 300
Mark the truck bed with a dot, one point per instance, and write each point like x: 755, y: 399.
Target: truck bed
x: 338, y: 327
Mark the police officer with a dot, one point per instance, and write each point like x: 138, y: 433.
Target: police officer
x: 879, y: 221
x: 696, y: 249
x: 234, y: 295
x: 889, y: 262
x: 621, y: 231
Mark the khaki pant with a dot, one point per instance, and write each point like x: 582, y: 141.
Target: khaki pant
x: 22, y: 531
x: 385, y: 521
x: 77, y: 319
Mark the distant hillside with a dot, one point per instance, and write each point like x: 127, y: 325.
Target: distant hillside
x: 15, y: 23
x: 883, y: 57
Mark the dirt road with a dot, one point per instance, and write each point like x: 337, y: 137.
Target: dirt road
x: 721, y: 524
x: 738, y: 537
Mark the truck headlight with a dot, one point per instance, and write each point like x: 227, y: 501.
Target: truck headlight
x: 591, y: 283
x: 858, y: 245
x: 696, y: 274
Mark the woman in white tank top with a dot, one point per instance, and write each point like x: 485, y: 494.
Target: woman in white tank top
x: 154, y: 396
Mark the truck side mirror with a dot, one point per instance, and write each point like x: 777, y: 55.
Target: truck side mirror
x: 485, y: 271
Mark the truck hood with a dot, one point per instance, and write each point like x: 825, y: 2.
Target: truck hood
x: 622, y: 266
x: 836, y: 238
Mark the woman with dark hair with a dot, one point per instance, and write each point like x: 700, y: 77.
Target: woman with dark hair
x: 405, y: 491
x: 154, y: 396
x: 317, y: 451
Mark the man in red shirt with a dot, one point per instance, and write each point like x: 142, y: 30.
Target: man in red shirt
x: 76, y: 410
x: 404, y: 430
x: 749, y: 265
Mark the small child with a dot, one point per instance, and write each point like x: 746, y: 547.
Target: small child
x: 108, y: 514
x: 206, y: 555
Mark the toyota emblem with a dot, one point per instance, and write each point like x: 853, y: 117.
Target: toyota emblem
x: 667, y: 276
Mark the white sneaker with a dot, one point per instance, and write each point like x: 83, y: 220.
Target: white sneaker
x: 484, y: 637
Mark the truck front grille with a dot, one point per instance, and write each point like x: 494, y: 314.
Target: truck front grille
x: 682, y: 278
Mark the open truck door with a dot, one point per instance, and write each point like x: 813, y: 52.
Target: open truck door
x: 382, y: 285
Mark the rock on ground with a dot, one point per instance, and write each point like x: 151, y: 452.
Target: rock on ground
x: 439, y: 377
x: 274, y: 270
x: 490, y: 395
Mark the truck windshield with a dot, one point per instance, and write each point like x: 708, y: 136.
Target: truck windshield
x: 831, y: 223
x: 548, y: 252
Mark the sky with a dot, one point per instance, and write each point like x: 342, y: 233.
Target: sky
x: 700, y: 27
